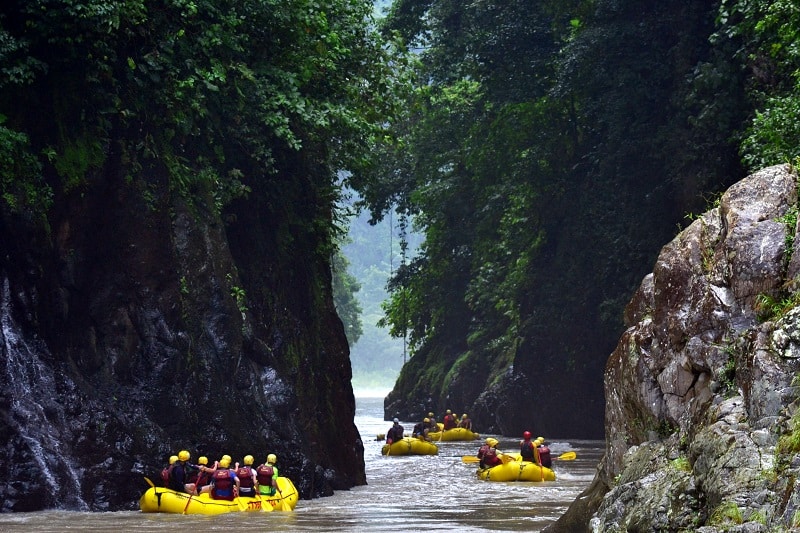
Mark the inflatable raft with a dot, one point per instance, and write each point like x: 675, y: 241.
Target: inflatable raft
x: 410, y: 446
x: 454, y: 434
x: 516, y: 470
x: 163, y: 500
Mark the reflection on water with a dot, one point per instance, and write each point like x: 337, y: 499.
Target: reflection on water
x: 417, y: 492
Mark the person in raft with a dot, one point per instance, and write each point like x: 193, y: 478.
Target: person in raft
x: 434, y: 425
x: 201, y: 483
x: 528, y: 450
x: 224, y: 483
x: 449, y: 421
x: 247, y: 477
x: 465, y: 422
x: 419, y: 430
x: 544, y: 454
x: 180, y: 473
x: 395, y: 432
x: 430, y: 424
x: 165, y: 473
x: 488, y: 454
x: 267, y: 476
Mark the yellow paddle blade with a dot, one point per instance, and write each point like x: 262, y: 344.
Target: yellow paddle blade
x: 506, y: 458
x: 567, y: 456
x: 149, y: 482
x: 470, y: 459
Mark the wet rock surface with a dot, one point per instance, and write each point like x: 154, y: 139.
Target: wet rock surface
x: 136, y: 326
x: 701, y: 388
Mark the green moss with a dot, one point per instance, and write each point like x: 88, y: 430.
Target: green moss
x: 682, y: 464
x: 789, y: 443
x: 726, y: 513
x: 76, y: 159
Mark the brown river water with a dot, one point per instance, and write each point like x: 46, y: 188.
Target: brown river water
x: 434, y: 493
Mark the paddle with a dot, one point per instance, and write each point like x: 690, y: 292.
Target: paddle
x: 149, y: 482
x: 284, y: 504
x: 505, y: 458
x: 260, y: 502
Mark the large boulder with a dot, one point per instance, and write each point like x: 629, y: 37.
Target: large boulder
x: 700, y: 390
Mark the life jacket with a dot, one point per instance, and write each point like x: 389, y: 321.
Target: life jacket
x: 482, y: 451
x: 264, y: 475
x: 165, y: 474
x: 395, y: 433
x: 526, y: 451
x: 544, y: 456
x: 177, y: 477
x: 245, y: 475
x: 223, y: 485
x: 448, y: 422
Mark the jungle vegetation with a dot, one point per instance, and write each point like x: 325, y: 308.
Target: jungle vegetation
x: 545, y: 150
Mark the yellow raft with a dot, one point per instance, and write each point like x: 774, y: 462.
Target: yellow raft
x: 513, y: 469
x: 410, y: 446
x: 163, y: 500
x: 453, y: 435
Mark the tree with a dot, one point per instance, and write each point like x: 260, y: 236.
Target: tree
x: 345, y: 287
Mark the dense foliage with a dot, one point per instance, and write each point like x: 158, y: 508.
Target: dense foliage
x: 209, y: 90
x: 550, y: 149
x: 345, y: 287
x: 546, y: 150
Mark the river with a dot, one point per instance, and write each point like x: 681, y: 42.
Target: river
x: 434, y: 493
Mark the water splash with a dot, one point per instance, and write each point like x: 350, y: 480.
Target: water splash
x: 35, y: 417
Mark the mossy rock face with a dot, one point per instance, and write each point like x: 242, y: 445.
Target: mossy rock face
x: 128, y: 315
x: 699, y: 377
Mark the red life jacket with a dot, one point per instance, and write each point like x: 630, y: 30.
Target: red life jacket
x: 223, y: 485
x: 264, y: 475
x: 544, y: 456
x: 165, y: 474
x: 245, y: 474
x: 448, y: 422
x: 482, y: 451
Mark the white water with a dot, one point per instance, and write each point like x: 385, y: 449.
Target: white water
x: 434, y: 493
x: 24, y: 376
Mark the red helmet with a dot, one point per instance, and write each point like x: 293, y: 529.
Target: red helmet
x: 526, y: 435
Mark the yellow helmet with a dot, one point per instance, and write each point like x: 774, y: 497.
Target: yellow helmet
x: 449, y: 412
x: 226, y: 457
x: 492, y: 442
x: 203, y: 460
x: 248, y: 459
x: 224, y: 463
x: 430, y: 414
x: 184, y: 455
x: 173, y: 459
x: 427, y: 420
x: 464, y: 415
x: 272, y: 459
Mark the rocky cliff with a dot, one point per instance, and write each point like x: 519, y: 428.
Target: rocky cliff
x: 135, y: 325
x: 701, y: 396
